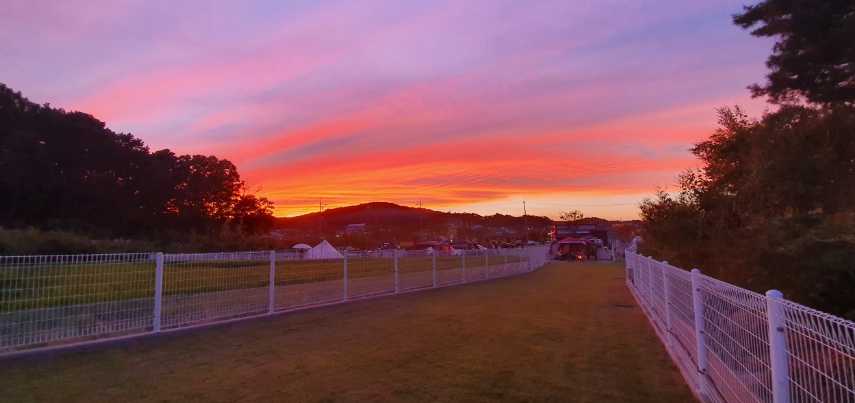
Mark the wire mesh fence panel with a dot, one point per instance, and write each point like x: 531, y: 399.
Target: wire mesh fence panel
x: 648, y: 284
x: 632, y: 271
x: 284, y: 256
x: 46, y: 300
x: 304, y: 282
x: 809, y: 358
x: 643, y: 281
x: 206, y: 287
x: 516, y: 262
x: 510, y: 262
x: 370, y: 273
x: 55, y: 300
x: 737, y: 342
x: 495, y: 263
x: 449, y: 269
x: 657, y: 295
x: 476, y: 269
x: 820, y: 355
x: 680, y: 310
x: 415, y: 270
x: 524, y: 260
x: 535, y: 256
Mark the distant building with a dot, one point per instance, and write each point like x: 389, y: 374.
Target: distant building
x: 355, y: 229
x: 600, y: 230
x: 282, y: 234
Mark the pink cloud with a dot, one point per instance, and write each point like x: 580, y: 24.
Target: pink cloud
x: 454, y: 103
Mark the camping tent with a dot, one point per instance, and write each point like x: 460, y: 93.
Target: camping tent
x: 301, y: 246
x: 323, y: 250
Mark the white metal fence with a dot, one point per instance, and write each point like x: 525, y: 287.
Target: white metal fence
x: 735, y: 345
x: 48, y: 301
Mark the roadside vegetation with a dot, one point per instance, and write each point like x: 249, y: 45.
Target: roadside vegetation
x: 774, y: 204
x: 66, y: 171
x: 33, y: 241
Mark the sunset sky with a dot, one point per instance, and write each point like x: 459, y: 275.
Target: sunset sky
x: 462, y: 105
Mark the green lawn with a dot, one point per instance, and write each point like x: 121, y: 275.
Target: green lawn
x: 50, y: 285
x: 569, y: 332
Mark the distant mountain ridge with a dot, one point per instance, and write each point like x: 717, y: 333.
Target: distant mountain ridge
x: 391, y: 214
x: 390, y: 222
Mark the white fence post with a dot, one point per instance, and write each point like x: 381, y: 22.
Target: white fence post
x: 158, y: 291
x: 778, y: 347
x: 433, y: 266
x: 698, y: 308
x: 397, y: 286
x: 630, y: 269
x: 667, y: 304
x: 527, y: 254
x: 271, y: 283
x: 463, y: 263
x: 486, y: 263
x: 345, y: 297
x: 649, y: 271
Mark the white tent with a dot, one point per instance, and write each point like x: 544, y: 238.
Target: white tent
x: 301, y: 246
x: 323, y: 250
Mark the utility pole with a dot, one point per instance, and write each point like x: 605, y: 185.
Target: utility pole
x: 321, y: 217
x: 421, y: 218
x: 525, y: 224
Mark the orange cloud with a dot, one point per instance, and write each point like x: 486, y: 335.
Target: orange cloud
x: 454, y: 173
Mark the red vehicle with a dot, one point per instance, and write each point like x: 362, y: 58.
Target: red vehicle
x: 573, y: 249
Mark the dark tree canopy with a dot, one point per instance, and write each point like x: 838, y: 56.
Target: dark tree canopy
x: 66, y: 170
x: 814, y: 56
x: 572, y: 215
x: 772, y: 207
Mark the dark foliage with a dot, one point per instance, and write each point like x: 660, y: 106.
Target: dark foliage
x: 66, y: 170
x: 773, y: 206
x: 813, y: 58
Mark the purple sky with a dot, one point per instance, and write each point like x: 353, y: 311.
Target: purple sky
x: 468, y: 106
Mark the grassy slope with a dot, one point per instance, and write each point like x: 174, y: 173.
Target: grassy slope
x: 561, y: 334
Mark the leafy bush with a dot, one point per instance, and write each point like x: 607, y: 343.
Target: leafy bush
x: 32, y: 241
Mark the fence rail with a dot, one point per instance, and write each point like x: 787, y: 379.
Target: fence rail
x: 53, y: 301
x: 735, y: 345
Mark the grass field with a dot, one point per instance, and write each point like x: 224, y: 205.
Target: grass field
x: 569, y: 332
x: 49, y: 284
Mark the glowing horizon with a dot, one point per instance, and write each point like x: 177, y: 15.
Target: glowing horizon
x: 463, y: 107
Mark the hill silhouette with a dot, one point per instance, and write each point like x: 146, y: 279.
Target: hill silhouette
x: 392, y: 222
x: 391, y: 214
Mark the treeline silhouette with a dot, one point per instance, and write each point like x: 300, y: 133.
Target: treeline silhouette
x: 63, y: 170
x: 774, y: 204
